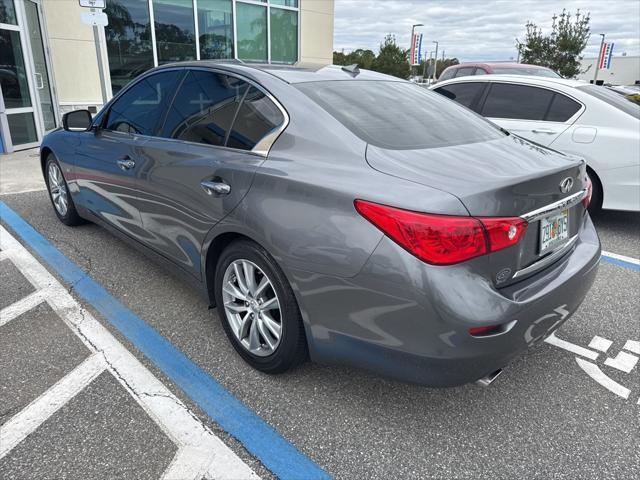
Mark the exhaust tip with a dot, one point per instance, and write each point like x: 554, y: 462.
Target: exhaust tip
x: 488, y: 380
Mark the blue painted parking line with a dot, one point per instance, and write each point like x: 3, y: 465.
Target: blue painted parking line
x: 260, y: 439
x: 621, y: 261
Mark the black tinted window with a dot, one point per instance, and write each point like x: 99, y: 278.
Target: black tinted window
x: 204, y: 108
x: 562, y: 108
x: 141, y: 106
x: 463, y: 93
x: 256, y: 118
x: 465, y: 71
x: 516, y: 101
x: 399, y: 115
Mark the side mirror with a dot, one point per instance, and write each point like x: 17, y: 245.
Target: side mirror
x: 77, y: 121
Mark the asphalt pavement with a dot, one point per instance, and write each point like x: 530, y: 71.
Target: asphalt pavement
x: 549, y: 415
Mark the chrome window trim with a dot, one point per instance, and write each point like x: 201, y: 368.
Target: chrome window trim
x: 549, y: 259
x: 563, y: 204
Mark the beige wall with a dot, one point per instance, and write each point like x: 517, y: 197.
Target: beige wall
x: 73, y: 53
x: 316, y: 31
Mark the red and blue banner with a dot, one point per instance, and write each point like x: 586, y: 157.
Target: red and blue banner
x: 605, y: 56
x: 416, y: 49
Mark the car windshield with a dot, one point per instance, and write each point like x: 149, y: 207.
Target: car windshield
x: 539, y: 72
x: 622, y: 102
x: 399, y: 115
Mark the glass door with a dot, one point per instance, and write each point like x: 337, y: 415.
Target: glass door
x: 15, y: 81
x: 40, y: 71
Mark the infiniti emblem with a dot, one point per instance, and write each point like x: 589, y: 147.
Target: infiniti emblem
x: 566, y: 185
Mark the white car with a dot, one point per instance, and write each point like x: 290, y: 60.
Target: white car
x: 593, y: 122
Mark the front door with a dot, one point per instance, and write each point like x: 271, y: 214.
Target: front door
x: 27, y: 109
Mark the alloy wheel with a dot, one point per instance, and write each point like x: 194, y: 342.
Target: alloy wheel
x: 58, y: 189
x: 252, y: 307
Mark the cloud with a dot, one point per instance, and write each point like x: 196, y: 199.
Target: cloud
x: 476, y: 29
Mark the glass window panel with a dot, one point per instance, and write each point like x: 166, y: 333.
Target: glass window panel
x: 517, y: 102
x: 175, y: 30
x: 562, y: 108
x: 7, y: 12
x: 251, y: 26
x: 286, y: 3
x: 463, y: 93
x: 22, y: 128
x: 256, y: 117
x: 204, y: 108
x: 13, y: 76
x: 284, y: 36
x: 215, y: 27
x: 140, y: 108
x: 128, y: 40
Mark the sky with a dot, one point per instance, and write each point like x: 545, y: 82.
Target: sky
x: 473, y: 30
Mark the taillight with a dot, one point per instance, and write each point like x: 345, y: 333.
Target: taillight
x: 587, y: 198
x: 443, y: 239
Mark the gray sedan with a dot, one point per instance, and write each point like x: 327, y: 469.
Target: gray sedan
x: 337, y: 214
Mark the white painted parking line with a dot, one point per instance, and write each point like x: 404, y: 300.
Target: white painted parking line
x: 623, y: 258
x: 599, y: 376
x: 200, y: 453
x: 623, y: 361
x: 32, y: 416
x: 633, y: 346
x: 599, y: 343
x: 16, y: 309
x: 578, y: 350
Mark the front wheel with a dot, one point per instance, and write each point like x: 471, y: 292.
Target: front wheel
x: 258, y: 309
x: 59, y: 193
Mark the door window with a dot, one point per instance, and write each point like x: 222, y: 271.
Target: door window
x: 447, y: 74
x: 256, y: 117
x: 562, y: 108
x: 204, y: 108
x: 464, y: 93
x: 517, y: 102
x: 141, y: 106
x: 465, y: 71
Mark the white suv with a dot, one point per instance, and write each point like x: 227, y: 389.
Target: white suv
x: 594, y: 122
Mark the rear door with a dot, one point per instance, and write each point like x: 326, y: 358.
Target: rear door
x: 107, y: 161
x: 201, y: 164
x: 535, y: 113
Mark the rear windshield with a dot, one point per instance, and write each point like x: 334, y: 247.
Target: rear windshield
x: 621, y: 102
x: 538, y: 72
x: 399, y: 115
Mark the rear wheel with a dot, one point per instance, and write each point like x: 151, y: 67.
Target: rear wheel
x: 597, y: 196
x: 59, y: 193
x: 258, y: 309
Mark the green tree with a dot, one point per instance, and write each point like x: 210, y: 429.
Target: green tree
x: 392, y: 59
x: 562, y: 49
x: 363, y: 58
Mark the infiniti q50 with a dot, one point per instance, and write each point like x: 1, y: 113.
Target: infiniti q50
x: 337, y: 214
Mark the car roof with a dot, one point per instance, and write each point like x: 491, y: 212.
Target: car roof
x: 528, y: 79
x: 299, y: 73
x: 497, y: 64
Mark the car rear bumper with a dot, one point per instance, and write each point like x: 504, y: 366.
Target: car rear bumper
x: 408, y: 320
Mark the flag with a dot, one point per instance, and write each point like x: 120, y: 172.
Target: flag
x: 605, y: 56
x: 416, y: 49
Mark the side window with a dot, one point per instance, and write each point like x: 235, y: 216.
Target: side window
x: 465, y: 71
x: 447, y: 74
x: 517, y: 102
x: 139, y: 108
x: 562, y: 108
x: 463, y: 93
x: 204, y: 108
x: 256, y: 117
x: 480, y: 71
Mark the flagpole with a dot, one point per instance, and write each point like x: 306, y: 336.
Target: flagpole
x: 595, y: 75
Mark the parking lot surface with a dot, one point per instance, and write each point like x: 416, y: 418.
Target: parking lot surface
x: 570, y: 408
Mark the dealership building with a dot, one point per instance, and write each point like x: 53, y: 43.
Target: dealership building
x: 52, y: 60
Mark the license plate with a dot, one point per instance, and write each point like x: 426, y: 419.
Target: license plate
x: 554, y: 230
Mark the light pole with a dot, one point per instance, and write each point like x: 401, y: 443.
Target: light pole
x: 435, y: 61
x: 595, y: 75
x: 519, y: 48
x: 412, y: 45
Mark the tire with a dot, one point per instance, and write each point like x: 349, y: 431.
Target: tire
x: 595, y: 207
x: 254, y: 339
x: 56, y: 184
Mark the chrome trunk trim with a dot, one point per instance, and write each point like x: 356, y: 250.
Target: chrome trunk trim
x: 563, y: 204
x: 549, y: 259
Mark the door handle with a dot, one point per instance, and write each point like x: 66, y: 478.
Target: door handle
x: 548, y: 131
x: 126, y: 163
x: 215, y: 188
